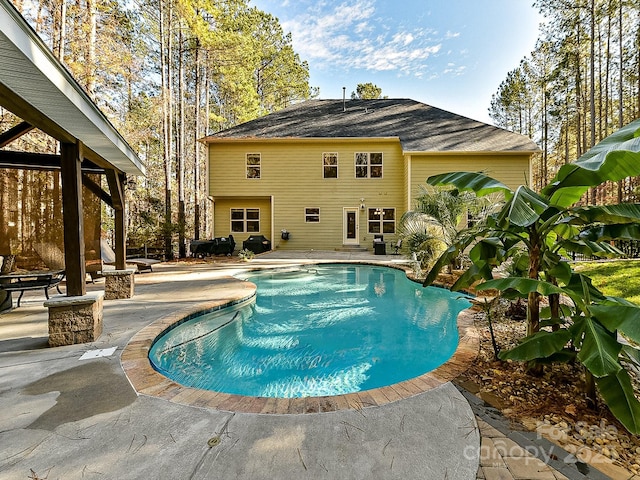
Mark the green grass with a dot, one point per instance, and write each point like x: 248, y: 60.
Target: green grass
x: 617, y: 278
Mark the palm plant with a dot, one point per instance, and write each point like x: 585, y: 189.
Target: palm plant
x: 434, y: 223
x: 549, y: 226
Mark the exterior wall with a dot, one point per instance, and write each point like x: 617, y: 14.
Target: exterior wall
x: 511, y: 169
x: 222, y: 217
x: 292, y: 172
x: 291, y: 179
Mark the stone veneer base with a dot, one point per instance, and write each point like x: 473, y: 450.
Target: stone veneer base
x: 118, y: 283
x: 74, y: 320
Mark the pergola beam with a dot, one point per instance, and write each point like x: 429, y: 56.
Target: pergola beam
x: 39, y: 161
x: 97, y: 190
x: 14, y: 133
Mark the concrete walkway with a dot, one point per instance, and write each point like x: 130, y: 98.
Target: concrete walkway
x: 63, y: 417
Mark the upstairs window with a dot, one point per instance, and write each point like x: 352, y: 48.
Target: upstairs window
x: 369, y: 165
x: 382, y: 220
x: 245, y: 220
x: 330, y: 165
x: 253, y: 165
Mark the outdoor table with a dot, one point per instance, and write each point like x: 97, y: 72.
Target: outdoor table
x: 22, y: 281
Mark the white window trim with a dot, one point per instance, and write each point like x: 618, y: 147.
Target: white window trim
x: 244, y: 220
x: 246, y: 165
x: 306, y: 215
x: 336, y: 166
x: 381, y: 222
x: 369, y: 177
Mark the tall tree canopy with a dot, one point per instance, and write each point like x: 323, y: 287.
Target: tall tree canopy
x: 367, y: 91
x: 580, y: 84
x: 168, y: 72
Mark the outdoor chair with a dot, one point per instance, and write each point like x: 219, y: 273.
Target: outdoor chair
x: 397, y: 247
x: 109, y: 258
x: 53, y: 258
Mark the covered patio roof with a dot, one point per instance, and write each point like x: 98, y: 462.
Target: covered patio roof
x: 37, y: 88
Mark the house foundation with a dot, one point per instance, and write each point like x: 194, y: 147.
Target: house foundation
x: 119, y: 283
x: 74, y: 320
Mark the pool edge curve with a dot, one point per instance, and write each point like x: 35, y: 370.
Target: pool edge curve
x: 145, y: 380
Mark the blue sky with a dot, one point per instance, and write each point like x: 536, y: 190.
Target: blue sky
x: 451, y: 54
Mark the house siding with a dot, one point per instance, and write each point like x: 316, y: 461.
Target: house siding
x: 292, y: 174
x: 511, y: 169
x: 222, y: 217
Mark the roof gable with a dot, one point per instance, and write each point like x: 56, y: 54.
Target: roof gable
x: 420, y: 127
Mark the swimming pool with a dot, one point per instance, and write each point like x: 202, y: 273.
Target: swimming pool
x: 315, y: 331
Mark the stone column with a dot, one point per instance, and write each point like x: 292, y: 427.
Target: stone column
x: 74, y: 319
x: 119, y: 283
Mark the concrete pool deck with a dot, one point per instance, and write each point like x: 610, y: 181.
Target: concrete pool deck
x: 62, y: 417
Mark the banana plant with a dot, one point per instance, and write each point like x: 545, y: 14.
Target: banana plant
x: 549, y: 227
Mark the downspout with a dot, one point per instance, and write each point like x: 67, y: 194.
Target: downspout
x: 273, y: 222
x: 408, y: 186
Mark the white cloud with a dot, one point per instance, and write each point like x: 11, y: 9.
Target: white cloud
x: 348, y: 35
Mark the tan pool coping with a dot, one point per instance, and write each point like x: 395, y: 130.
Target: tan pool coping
x: 147, y: 381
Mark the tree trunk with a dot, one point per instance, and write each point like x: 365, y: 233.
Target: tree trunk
x: 592, y: 83
x: 621, y: 70
x: 196, y: 146
x: 182, y: 250
x: 165, y: 66
x: 90, y: 65
x: 533, y: 298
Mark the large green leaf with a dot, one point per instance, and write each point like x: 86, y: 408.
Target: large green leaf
x: 614, y: 158
x: 627, y: 231
x: 581, y: 290
x: 486, y: 249
x: 631, y: 353
x: 625, y: 318
x: 477, y: 271
x: 479, y: 183
x: 618, y: 213
x: 617, y: 392
x: 524, y: 286
x: 600, y: 349
x: 465, y: 239
x: 445, y: 259
x: 526, y: 207
x: 560, y: 270
x: 539, y: 345
x: 590, y: 248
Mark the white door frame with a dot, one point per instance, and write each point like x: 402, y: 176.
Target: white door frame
x: 350, y: 236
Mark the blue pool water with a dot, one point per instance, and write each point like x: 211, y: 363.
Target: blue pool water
x: 318, y: 330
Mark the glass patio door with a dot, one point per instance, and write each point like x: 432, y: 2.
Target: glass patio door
x: 350, y: 227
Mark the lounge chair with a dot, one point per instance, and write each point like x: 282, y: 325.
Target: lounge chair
x: 53, y: 258
x: 109, y: 258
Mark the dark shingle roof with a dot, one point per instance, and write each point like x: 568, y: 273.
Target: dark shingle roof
x: 420, y: 127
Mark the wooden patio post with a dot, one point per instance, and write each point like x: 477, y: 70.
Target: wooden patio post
x: 116, y: 187
x: 71, y: 173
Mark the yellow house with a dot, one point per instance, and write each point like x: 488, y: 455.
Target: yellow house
x: 332, y: 174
